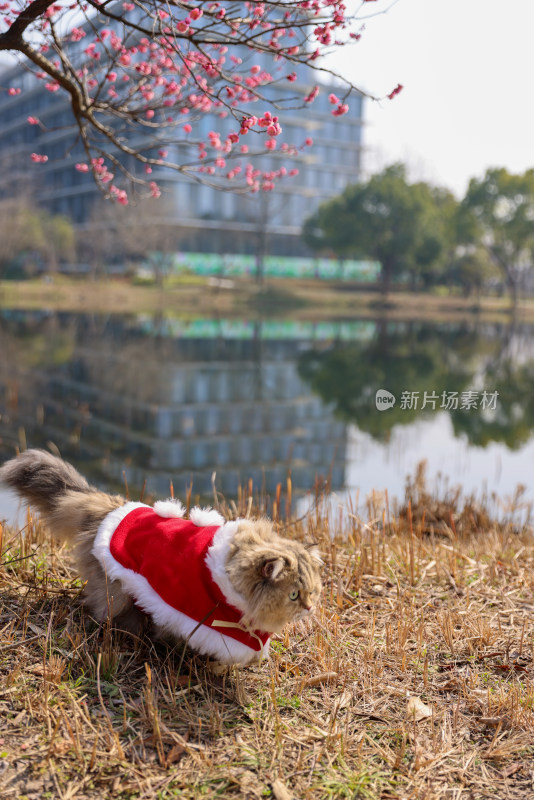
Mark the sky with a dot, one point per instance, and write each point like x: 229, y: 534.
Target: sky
x: 467, y: 67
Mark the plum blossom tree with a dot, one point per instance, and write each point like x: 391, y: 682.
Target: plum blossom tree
x: 141, y: 74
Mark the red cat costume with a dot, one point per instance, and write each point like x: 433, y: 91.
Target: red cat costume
x: 174, y: 569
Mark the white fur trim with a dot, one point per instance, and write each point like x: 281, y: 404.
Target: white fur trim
x: 169, y: 508
x: 106, y: 530
x: 204, y: 640
x: 205, y: 517
x: 216, y: 559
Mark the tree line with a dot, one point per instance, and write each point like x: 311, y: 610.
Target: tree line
x: 421, y: 234
x: 424, y: 237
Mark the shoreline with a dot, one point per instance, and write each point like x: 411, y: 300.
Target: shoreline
x: 301, y: 299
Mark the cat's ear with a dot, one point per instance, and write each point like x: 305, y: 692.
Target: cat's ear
x: 272, y: 567
x: 314, y: 552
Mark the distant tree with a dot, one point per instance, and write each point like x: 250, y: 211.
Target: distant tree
x: 28, y: 234
x: 407, y: 227
x: 118, y: 234
x: 20, y: 230
x: 499, y: 215
x: 60, y: 239
x: 141, y: 75
x: 471, y: 271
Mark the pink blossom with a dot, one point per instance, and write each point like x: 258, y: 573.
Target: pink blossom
x: 119, y: 195
x: 154, y: 190
x: 77, y: 34
x: 12, y: 91
x: 53, y: 9
x: 398, y: 88
x: 340, y: 110
x: 39, y: 159
x: 274, y: 129
x: 198, y: 77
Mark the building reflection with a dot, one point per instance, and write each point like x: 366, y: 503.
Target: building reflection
x: 161, y: 400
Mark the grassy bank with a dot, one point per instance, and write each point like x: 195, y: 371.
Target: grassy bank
x: 304, y: 299
x: 414, y: 681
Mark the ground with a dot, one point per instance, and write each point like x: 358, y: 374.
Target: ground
x: 415, y: 679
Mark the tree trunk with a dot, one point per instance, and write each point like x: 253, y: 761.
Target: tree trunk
x: 513, y: 288
x: 386, y: 279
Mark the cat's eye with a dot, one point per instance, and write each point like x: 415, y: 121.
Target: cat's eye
x: 294, y: 594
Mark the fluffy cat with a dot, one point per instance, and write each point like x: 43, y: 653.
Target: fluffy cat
x: 223, y: 586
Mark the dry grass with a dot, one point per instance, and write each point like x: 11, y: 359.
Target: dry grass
x: 415, y: 681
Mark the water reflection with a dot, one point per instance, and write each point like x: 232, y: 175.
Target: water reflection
x: 160, y: 398
x: 447, y: 362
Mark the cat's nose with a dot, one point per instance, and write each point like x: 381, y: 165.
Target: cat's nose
x: 308, y: 608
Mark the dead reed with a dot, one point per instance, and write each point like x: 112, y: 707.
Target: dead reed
x: 414, y: 681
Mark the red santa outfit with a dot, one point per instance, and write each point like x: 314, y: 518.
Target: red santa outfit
x: 175, y: 570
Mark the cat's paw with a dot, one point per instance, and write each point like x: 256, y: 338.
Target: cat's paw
x: 217, y: 668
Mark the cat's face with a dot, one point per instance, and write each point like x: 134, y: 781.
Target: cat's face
x: 279, y: 578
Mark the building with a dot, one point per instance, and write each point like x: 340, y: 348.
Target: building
x: 208, y: 220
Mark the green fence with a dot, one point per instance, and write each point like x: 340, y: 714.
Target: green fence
x: 230, y: 266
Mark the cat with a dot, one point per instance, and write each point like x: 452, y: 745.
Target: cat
x: 225, y: 587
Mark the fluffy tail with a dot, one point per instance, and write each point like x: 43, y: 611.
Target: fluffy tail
x: 68, y: 504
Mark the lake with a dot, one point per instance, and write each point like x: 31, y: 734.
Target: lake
x: 353, y: 405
